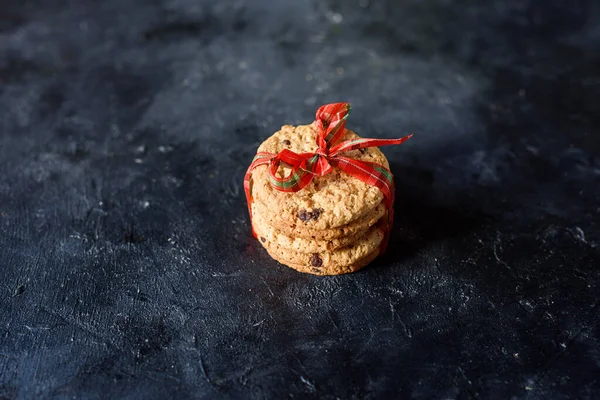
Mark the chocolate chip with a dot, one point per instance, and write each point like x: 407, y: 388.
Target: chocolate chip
x: 287, y: 142
x: 362, y: 151
x: 262, y: 239
x: 304, y: 215
x: 315, y: 260
x: 316, y: 213
x: 308, y: 215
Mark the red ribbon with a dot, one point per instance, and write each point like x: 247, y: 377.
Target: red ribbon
x: 330, y: 123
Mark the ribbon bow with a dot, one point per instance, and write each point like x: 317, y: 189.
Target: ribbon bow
x: 330, y: 122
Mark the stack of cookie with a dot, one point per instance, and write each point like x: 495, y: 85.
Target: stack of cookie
x: 334, y: 225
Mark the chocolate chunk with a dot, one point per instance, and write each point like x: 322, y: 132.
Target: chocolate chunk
x: 316, y: 213
x: 304, y: 215
x: 308, y: 215
x: 262, y: 239
x: 287, y: 142
x: 362, y: 151
x: 315, y: 260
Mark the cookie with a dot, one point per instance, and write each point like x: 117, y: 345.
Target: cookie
x: 295, y: 229
x: 346, y: 269
x: 330, y: 261
x: 329, y: 201
x: 268, y: 233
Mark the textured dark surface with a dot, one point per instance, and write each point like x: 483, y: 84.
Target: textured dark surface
x: 127, y: 264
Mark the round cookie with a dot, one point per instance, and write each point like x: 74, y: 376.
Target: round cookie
x: 330, y: 260
x: 268, y: 233
x: 330, y: 201
x: 297, y: 229
x: 346, y: 269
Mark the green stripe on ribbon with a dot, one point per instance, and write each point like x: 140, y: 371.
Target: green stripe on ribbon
x: 288, y: 183
x: 259, y: 156
x: 386, y: 174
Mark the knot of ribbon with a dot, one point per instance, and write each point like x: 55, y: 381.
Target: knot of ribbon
x: 330, y: 123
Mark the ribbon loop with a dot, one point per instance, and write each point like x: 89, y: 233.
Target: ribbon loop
x: 330, y: 122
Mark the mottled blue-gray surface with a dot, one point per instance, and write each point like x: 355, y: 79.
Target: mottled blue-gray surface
x: 127, y: 267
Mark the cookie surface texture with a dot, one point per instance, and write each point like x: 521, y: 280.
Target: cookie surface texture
x: 269, y: 233
x: 335, y: 270
x: 296, y: 228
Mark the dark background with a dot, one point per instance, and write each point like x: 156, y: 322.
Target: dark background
x: 127, y: 264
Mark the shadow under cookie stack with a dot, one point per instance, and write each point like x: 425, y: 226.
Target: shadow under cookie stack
x: 333, y: 225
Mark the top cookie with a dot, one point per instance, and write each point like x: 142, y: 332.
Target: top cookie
x: 330, y: 201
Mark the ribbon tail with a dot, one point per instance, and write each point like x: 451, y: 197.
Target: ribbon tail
x: 375, y: 175
x: 259, y: 159
x: 390, y: 220
x: 361, y: 143
x: 371, y: 173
